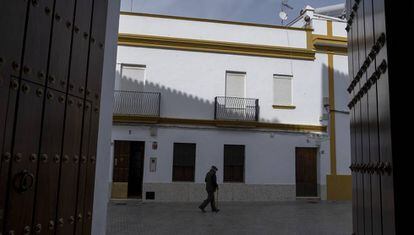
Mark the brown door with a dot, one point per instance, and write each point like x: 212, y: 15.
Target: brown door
x: 51, y: 62
x: 122, y: 151
x: 306, y: 185
x: 374, y: 62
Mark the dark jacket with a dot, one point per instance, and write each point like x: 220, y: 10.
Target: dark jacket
x: 211, y: 181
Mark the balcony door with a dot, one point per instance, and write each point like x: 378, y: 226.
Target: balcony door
x: 235, y: 84
x: 235, y: 94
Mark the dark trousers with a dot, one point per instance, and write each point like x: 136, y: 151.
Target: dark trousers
x: 210, y: 199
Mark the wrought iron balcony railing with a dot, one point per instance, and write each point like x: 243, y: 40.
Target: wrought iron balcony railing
x: 137, y: 103
x: 235, y: 108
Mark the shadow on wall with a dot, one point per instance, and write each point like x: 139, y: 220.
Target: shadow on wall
x: 342, y: 118
x: 178, y: 104
x: 174, y: 103
x: 341, y: 83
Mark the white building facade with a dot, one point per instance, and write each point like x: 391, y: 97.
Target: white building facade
x: 265, y: 104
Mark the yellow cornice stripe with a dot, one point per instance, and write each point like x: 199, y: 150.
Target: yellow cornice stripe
x: 221, y: 123
x: 330, y: 40
x: 330, y: 44
x: 214, y: 46
x: 214, y: 21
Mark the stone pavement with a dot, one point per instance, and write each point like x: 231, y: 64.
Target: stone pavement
x: 298, y: 217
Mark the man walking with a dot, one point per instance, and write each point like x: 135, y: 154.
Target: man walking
x: 211, y: 187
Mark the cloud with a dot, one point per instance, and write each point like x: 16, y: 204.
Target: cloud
x: 256, y: 11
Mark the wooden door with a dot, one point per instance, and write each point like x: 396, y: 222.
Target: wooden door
x: 51, y: 62
x: 49, y: 162
x: 377, y: 142
x: 306, y: 171
x: 122, y: 150
x: 21, y: 193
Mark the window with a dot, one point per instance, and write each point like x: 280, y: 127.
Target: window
x: 235, y: 84
x: 282, y: 90
x: 234, y: 163
x: 132, y: 77
x: 184, y: 162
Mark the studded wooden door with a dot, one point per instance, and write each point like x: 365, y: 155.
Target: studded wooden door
x: 374, y: 95
x: 51, y: 59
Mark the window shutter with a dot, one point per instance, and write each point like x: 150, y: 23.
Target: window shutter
x: 184, y: 161
x: 282, y: 90
x: 235, y: 84
x: 234, y: 163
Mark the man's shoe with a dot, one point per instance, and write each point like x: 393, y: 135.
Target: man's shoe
x: 202, y: 209
x: 216, y: 210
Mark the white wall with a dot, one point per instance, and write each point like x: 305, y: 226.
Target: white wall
x: 103, y: 162
x: 189, y: 81
x: 212, y: 31
x: 338, y: 29
x: 341, y: 82
x: 270, y: 156
x: 319, y: 27
x: 343, y: 142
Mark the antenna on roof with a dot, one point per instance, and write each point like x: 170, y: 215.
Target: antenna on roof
x: 283, y: 6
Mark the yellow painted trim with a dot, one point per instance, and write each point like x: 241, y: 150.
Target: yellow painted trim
x: 309, y: 41
x: 129, y: 119
x: 329, y: 28
x: 334, y: 40
x: 332, y: 50
x: 284, y: 106
x: 315, y: 42
x: 214, y: 21
x: 119, y: 190
x: 214, y: 46
x: 339, y: 187
x: 330, y: 44
x: 332, y: 131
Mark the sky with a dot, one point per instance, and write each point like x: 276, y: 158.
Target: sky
x: 253, y: 11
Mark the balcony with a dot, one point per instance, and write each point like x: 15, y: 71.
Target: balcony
x: 236, y: 109
x: 135, y: 103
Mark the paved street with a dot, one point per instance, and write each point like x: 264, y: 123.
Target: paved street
x: 134, y: 217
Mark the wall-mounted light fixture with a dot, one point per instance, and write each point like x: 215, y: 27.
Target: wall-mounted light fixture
x: 154, y: 145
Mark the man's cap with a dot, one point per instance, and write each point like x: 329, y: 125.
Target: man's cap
x: 214, y: 168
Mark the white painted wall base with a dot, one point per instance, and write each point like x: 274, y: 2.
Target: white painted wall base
x: 322, y: 191
x: 193, y: 192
